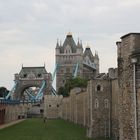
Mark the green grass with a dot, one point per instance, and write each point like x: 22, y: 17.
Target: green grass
x: 35, y: 129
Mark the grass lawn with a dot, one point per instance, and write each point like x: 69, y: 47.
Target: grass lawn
x: 35, y: 129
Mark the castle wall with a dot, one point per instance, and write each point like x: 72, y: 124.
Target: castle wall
x: 12, y: 111
x: 96, y: 107
x: 100, y: 108
x: 52, y: 106
x: 2, y: 113
x: 74, y: 108
x: 128, y: 49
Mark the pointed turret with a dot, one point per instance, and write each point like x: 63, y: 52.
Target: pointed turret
x: 57, y: 49
x: 57, y: 44
x: 89, y: 53
x: 79, y: 47
x: 96, y: 54
x: 78, y: 43
x: 81, y: 44
x: 96, y: 61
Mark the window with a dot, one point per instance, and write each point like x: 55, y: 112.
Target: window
x: 49, y: 105
x: 39, y: 75
x: 106, y: 103
x: 57, y: 105
x: 25, y: 75
x: 96, y: 103
x: 98, y: 87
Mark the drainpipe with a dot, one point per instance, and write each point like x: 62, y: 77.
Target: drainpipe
x: 134, y: 61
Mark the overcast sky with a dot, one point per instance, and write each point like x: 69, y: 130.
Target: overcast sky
x: 29, y: 30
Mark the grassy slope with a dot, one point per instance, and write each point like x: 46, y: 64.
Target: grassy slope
x: 35, y: 129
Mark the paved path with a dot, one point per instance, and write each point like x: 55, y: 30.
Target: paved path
x: 11, y: 123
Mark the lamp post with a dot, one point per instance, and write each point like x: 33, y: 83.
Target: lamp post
x: 134, y: 61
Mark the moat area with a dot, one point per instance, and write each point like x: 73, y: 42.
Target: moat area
x: 36, y: 129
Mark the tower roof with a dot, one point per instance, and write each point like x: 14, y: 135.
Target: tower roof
x: 36, y: 70
x: 69, y: 41
x: 89, y: 53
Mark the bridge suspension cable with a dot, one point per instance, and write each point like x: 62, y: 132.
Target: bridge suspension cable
x: 54, y: 73
x: 53, y: 91
x: 11, y: 92
x: 76, y: 70
x: 40, y: 92
x: 32, y: 97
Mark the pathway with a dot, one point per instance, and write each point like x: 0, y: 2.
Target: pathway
x: 11, y: 123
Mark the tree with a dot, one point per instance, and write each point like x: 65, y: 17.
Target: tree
x: 63, y: 91
x: 70, y: 84
x: 3, y: 92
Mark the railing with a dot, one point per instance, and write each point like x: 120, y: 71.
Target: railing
x: 4, y: 101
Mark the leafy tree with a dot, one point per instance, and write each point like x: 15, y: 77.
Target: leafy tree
x: 70, y: 84
x: 3, y: 92
x: 63, y: 91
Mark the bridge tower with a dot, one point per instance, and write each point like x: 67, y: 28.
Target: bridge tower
x: 72, y: 61
x: 68, y: 56
x: 30, y: 78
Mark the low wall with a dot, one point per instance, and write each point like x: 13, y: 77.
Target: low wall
x: 12, y: 110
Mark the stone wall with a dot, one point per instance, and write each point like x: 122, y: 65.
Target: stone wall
x: 16, y: 111
x: 2, y: 112
x: 11, y: 111
x: 74, y: 108
x: 129, y: 78
x: 96, y: 107
x: 52, y: 106
x: 100, y: 108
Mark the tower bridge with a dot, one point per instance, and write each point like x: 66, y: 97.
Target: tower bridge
x: 31, y: 83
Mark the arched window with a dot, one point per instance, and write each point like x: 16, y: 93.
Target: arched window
x: 96, y: 103
x: 98, y: 87
x: 106, y: 103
